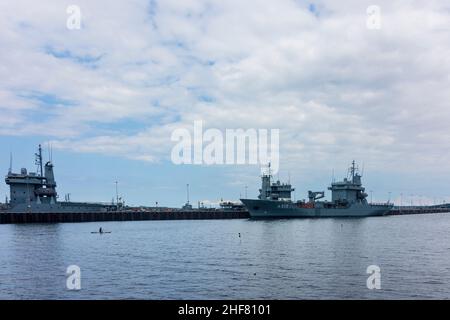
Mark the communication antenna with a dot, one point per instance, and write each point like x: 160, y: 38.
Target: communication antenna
x: 332, y: 175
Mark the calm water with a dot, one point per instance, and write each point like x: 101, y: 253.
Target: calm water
x: 280, y: 259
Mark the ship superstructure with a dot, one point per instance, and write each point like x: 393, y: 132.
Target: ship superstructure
x: 350, y: 190
x: 32, y: 188
x: 36, y: 191
x: 274, y: 191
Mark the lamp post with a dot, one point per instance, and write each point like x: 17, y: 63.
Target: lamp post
x: 401, y: 201
x: 117, y: 195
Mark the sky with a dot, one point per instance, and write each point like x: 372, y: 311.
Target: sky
x: 109, y: 95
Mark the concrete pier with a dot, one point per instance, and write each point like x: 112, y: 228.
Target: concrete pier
x: 417, y: 210
x: 6, y: 218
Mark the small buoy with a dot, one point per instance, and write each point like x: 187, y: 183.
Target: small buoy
x: 254, y: 274
x: 239, y: 234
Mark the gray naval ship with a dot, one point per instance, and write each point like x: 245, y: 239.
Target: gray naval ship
x: 35, y: 192
x: 348, y: 199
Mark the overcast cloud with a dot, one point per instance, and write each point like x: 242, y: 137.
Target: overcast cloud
x: 137, y: 70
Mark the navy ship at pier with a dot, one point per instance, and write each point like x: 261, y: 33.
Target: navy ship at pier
x: 348, y: 199
x: 35, y: 192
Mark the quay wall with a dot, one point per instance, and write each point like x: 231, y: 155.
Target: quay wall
x: 29, y: 217
x: 424, y: 210
x: 51, y: 217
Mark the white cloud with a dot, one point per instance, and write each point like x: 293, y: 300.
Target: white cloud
x: 335, y: 89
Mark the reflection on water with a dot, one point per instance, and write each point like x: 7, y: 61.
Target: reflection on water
x: 272, y: 259
x: 32, y: 257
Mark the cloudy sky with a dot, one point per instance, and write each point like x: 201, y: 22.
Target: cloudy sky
x: 109, y: 95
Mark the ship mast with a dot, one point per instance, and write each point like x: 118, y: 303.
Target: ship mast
x: 39, y: 161
x: 353, y: 170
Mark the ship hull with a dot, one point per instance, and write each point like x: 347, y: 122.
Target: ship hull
x: 285, y: 209
x: 57, y: 208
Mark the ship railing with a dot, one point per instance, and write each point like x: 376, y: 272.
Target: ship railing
x: 70, y: 203
x: 418, y: 207
x: 378, y: 204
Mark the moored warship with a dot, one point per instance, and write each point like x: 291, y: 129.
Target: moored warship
x: 348, y: 199
x: 35, y: 192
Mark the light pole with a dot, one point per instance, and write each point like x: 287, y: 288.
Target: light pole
x: 187, y: 188
x: 401, y: 201
x: 117, y: 195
